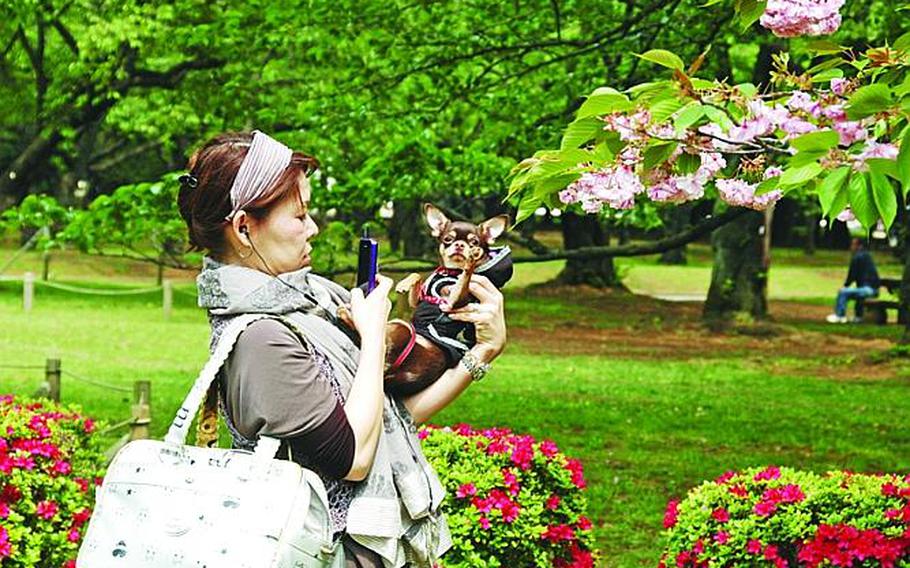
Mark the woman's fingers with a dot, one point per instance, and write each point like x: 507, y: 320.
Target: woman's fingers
x: 484, y: 290
x: 383, y: 285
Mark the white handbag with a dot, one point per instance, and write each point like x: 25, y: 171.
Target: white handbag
x: 166, y: 504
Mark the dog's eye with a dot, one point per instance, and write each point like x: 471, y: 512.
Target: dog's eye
x: 473, y: 240
x: 448, y: 239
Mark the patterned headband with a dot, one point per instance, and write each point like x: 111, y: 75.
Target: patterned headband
x: 264, y: 163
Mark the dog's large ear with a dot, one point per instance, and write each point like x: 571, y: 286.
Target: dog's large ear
x: 492, y: 228
x: 436, y: 219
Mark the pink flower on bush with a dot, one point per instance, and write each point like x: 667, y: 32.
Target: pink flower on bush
x: 466, y: 490
x: 81, y: 516
x: 510, y: 481
x: 510, y: 511
x: 556, y: 533
x: 47, y: 509
x: 62, y: 467
x: 578, y: 477
x: 739, y: 490
x: 73, y: 535
x: 5, y: 546
x: 721, y: 515
x: 484, y: 522
x: 754, y: 547
x: 767, y: 474
x: 764, y: 508
x: 725, y: 477
x: 721, y: 537
x: 584, y: 524
x: 548, y: 448
x: 553, y: 502
x: 671, y: 515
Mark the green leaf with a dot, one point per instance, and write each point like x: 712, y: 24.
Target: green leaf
x: 869, y: 100
x: 718, y: 116
x: 902, y: 43
x: 664, y: 58
x: 767, y: 185
x: 795, y: 177
x: 804, y: 158
x: 885, y: 199
x: 903, y: 163
x: 831, y: 192
x: 599, y: 104
x: 747, y: 89
x: 526, y: 207
x: 657, y: 154
x: 581, y: 131
x: 662, y: 110
x: 749, y: 11
x: 828, y: 74
x: 689, y: 116
x: 823, y: 47
x: 821, y: 140
x: 862, y: 201
x: 688, y: 163
x: 883, y: 166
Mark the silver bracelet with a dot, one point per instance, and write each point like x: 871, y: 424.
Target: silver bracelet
x: 477, y: 368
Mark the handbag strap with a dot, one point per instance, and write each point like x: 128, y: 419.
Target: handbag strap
x: 180, y: 427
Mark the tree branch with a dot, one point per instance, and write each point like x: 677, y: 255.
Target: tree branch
x: 677, y: 240
x: 653, y: 247
x: 170, y: 78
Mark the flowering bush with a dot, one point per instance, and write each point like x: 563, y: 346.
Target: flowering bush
x: 786, y: 518
x: 49, y: 463
x: 512, y: 501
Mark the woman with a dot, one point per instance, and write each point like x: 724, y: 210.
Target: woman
x: 299, y: 376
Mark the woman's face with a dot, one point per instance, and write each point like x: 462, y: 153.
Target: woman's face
x: 282, y: 237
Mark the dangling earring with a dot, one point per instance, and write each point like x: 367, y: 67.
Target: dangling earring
x: 242, y: 257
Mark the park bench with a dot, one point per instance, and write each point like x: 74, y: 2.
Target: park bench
x: 876, y: 309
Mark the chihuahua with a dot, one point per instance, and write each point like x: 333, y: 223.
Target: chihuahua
x: 421, y: 350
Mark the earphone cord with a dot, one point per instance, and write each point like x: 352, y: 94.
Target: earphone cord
x: 331, y: 317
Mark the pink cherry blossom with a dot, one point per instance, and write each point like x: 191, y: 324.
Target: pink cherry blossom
x: 791, y: 18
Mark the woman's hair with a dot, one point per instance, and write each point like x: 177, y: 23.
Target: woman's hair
x: 205, y: 204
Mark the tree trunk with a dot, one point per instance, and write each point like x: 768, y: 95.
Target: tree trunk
x: 905, y: 279
x: 408, y: 231
x: 582, y: 231
x: 675, y: 220
x: 738, y: 277
x: 811, y: 222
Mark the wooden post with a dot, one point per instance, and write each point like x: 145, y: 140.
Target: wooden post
x: 46, y: 257
x: 28, y: 291
x: 52, y: 376
x: 167, y: 288
x: 141, y: 410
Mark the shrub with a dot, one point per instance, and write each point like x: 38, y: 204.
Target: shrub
x: 49, y: 464
x: 511, y: 500
x: 786, y: 518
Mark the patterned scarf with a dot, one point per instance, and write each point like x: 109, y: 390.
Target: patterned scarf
x: 395, y: 510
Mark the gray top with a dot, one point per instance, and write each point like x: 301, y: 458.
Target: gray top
x: 272, y: 384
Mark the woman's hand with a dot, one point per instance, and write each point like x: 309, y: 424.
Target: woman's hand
x: 487, y: 315
x: 371, y: 313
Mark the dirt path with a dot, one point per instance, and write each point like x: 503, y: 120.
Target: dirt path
x: 626, y: 326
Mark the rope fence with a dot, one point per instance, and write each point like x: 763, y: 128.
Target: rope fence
x: 140, y: 410
x: 29, y: 284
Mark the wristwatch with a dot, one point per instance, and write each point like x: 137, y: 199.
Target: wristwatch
x: 477, y: 368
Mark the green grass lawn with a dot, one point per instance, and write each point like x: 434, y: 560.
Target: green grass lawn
x: 646, y: 430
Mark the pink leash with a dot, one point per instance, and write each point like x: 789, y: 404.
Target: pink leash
x: 407, y: 349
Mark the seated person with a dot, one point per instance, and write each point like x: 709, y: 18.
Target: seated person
x: 863, y: 273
